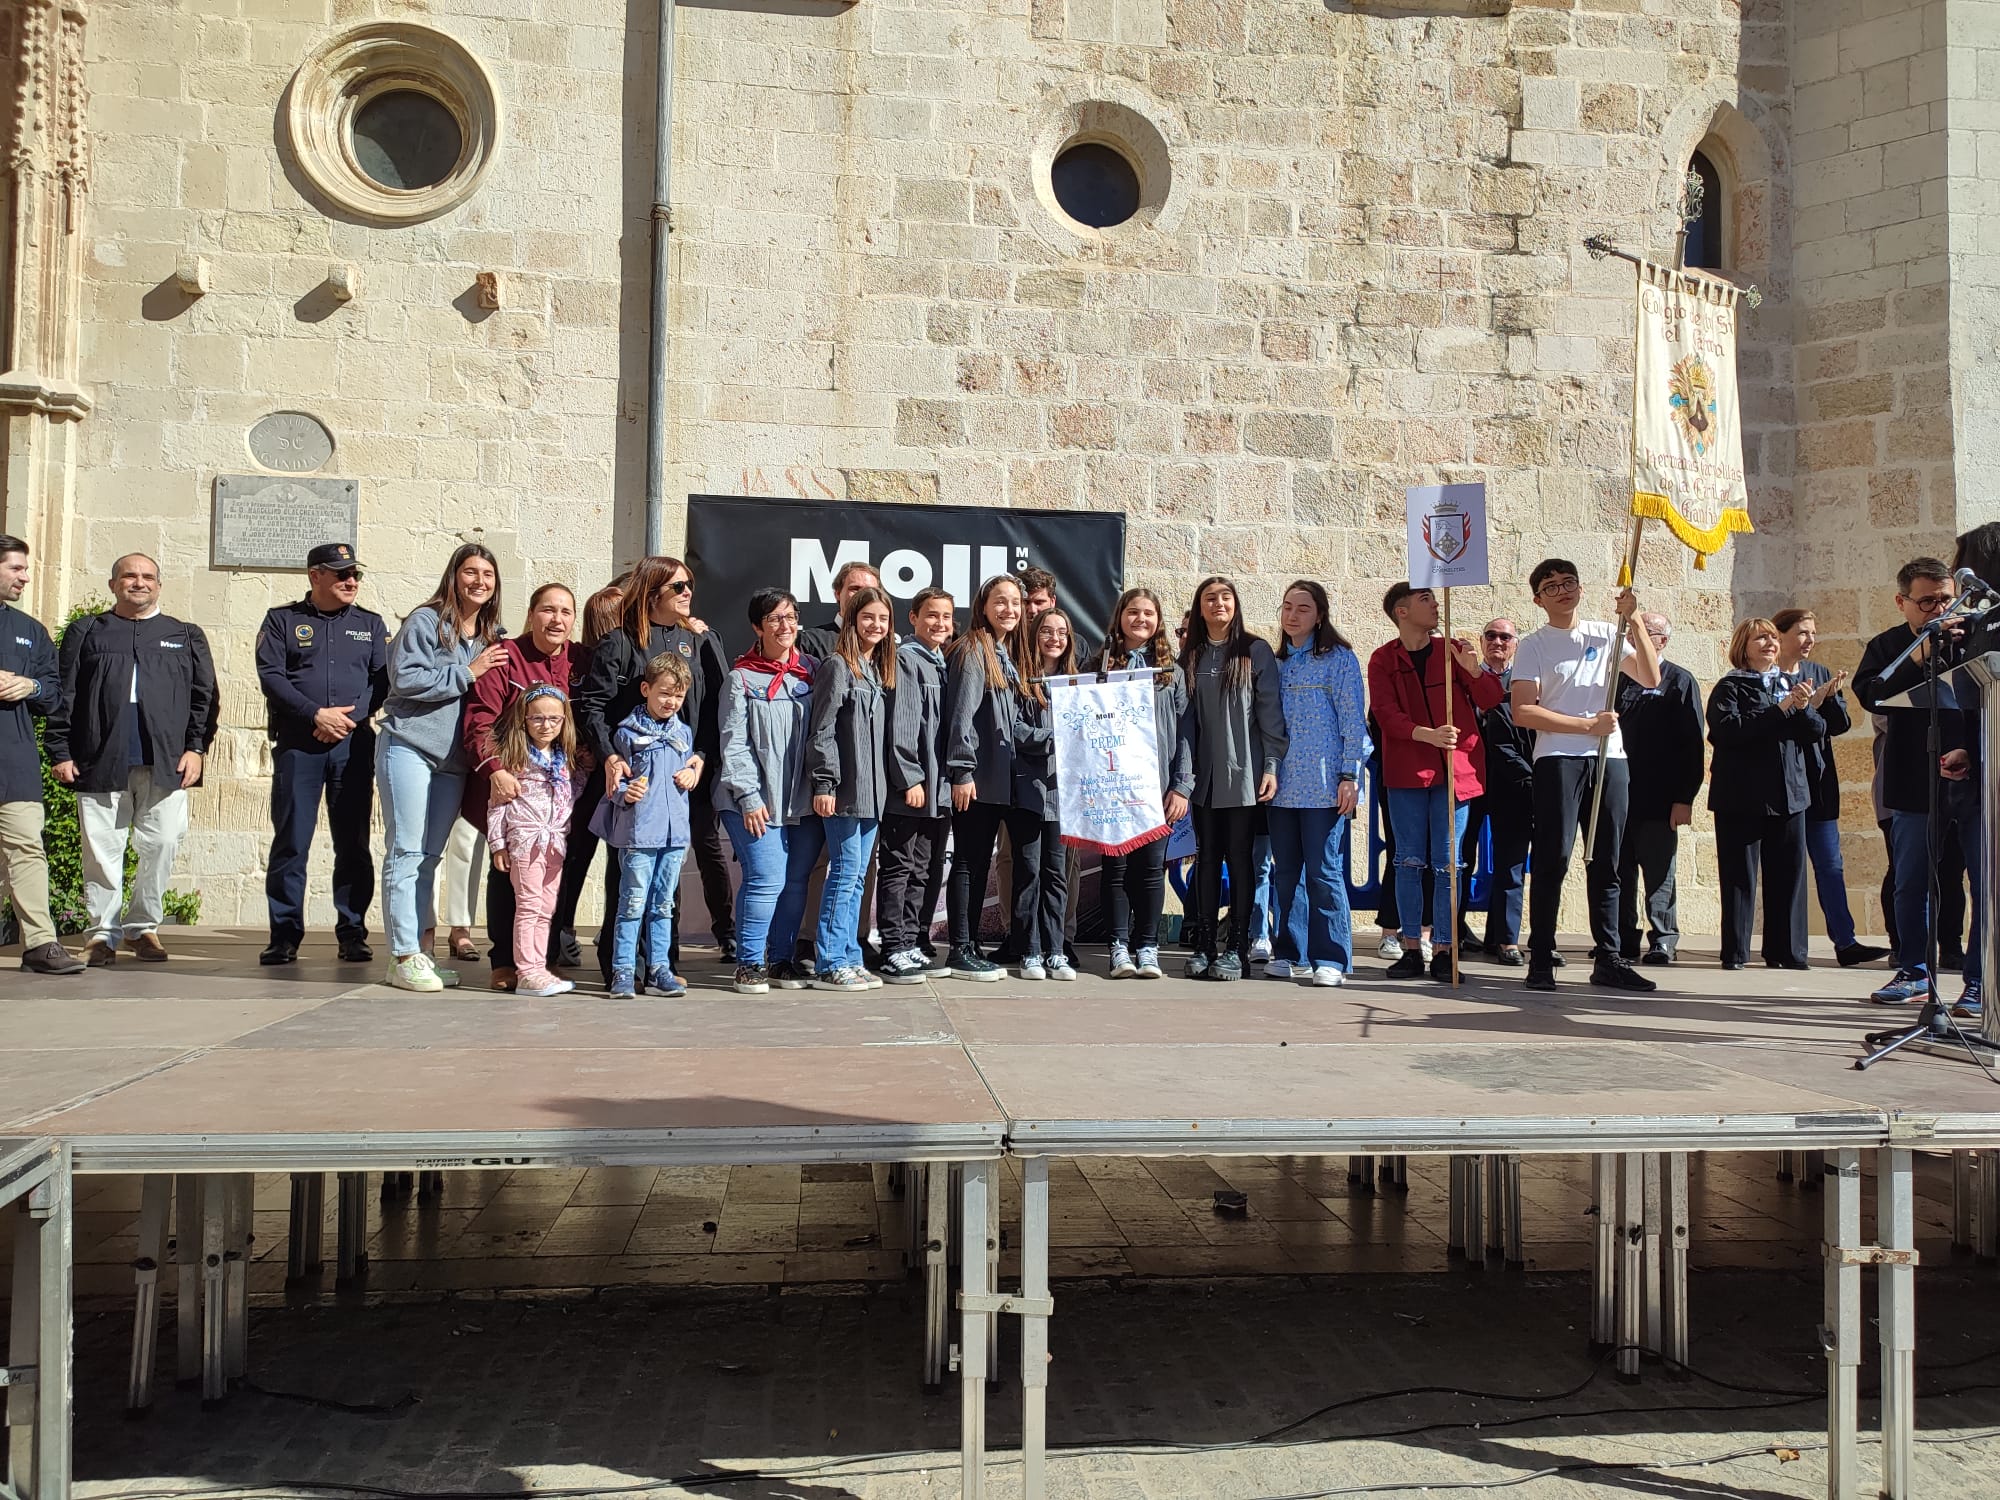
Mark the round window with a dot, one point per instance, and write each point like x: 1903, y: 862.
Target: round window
x: 407, y: 140
x: 1095, y: 184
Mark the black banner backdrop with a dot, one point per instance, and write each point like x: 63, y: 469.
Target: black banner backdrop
x: 737, y: 545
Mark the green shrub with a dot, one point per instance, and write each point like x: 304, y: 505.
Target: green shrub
x: 183, y: 907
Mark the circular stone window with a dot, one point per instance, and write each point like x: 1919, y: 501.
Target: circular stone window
x: 393, y: 123
x: 1095, y: 184
x: 406, y: 140
x: 1102, y: 168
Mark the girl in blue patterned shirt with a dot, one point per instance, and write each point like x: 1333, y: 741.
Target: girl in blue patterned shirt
x: 1318, y: 785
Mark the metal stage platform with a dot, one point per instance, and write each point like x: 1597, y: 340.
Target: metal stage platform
x: 209, y: 1068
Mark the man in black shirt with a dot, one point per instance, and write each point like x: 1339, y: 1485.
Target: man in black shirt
x: 1924, y: 591
x: 30, y: 688
x: 1667, y: 756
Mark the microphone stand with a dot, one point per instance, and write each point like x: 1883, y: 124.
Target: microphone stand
x: 1934, y: 1022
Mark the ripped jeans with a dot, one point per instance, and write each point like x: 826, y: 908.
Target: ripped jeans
x: 648, y: 881
x: 1429, y: 829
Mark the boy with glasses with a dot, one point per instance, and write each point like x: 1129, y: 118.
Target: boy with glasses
x: 1924, y: 590
x: 1561, y: 674
x: 1508, y: 805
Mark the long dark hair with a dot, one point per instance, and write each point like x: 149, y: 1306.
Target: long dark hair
x: 979, y: 637
x: 649, y: 578
x: 847, y: 645
x: 1979, y: 550
x: 1325, y: 636
x: 1236, y: 658
x: 601, y: 611
x: 1159, y: 649
x: 450, y: 609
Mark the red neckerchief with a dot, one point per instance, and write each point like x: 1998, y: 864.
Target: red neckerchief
x: 792, y: 666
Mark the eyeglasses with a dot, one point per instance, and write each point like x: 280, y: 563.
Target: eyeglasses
x: 545, y: 719
x: 348, y: 575
x: 779, y: 622
x: 1930, y: 602
x: 1559, y: 586
x: 1498, y: 635
x: 679, y: 586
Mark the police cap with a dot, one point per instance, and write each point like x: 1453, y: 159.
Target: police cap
x: 335, y: 555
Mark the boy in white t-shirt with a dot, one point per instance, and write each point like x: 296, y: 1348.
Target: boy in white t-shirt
x: 1561, y: 673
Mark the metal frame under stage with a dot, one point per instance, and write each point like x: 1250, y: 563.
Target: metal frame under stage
x: 34, y: 1181
x: 1635, y: 1184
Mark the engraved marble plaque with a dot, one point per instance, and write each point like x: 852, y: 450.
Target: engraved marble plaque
x: 262, y: 521
x: 291, y: 442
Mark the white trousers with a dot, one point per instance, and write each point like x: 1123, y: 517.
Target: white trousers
x: 154, y: 816
x: 464, y: 862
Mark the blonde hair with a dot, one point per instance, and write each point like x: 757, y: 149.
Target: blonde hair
x: 1739, y: 643
x: 510, y: 735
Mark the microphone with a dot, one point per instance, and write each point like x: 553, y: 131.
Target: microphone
x: 1970, y: 584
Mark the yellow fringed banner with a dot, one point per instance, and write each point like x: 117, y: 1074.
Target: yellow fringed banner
x: 1687, y: 435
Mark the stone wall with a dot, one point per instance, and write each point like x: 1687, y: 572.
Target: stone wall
x: 1972, y: 186
x: 1363, y: 270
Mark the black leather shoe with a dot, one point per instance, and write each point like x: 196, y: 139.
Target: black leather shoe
x: 1658, y: 957
x: 1511, y: 957
x: 1541, y: 976
x: 51, y: 958
x: 279, y: 953
x: 1557, y: 961
x: 1860, y: 953
x: 354, y: 951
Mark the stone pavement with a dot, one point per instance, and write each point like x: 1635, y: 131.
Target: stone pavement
x: 521, y: 1393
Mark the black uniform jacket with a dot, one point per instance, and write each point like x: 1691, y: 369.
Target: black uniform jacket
x: 25, y: 649
x: 308, y: 660
x: 1760, y: 750
x: 177, y: 696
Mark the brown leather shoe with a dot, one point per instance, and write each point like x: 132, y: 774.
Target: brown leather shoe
x: 99, y: 954
x: 148, y: 948
x: 51, y: 958
x: 504, y: 979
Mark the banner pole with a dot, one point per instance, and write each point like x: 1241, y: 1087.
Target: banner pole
x: 1611, y: 690
x: 1451, y: 783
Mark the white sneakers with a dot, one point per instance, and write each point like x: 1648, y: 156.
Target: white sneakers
x: 416, y: 972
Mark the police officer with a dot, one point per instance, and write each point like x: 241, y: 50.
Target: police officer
x: 324, y: 666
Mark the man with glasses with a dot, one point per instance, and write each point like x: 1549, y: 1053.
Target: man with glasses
x: 1665, y: 737
x: 1507, y: 806
x: 1561, y: 674
x: 323, y: 663
x: 1924, y: 590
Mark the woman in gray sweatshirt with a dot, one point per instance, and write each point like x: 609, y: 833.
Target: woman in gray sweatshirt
x: 446, y: 644
x: 761, y: 793
x: 1235, y: 727
x: 844, y: 764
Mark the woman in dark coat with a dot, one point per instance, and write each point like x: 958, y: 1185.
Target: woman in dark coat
x: 1762, y: 724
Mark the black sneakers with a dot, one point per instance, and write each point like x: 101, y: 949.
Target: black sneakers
x: 1441, y: 965
x: 1541, y: 974
x: 966, y: 963
x: 1409, y: 966
x: 1227, y: 967
x: 752, y: 980
x: 1616, y: 974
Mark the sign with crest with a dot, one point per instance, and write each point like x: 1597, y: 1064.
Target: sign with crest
x: 1447, y: 524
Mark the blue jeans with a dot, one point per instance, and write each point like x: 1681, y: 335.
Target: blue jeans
x: 1309, y: 883
x: 1429, y: 827
x: 1830, y: 878
x: 1910, y: 857
x: 419, y: 805
x: 1261, y: 923
x: 836, y: 944
x: 648, y: 881
x: 772, y: 898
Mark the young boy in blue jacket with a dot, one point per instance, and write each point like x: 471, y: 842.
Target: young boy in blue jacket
x: 644, y: 821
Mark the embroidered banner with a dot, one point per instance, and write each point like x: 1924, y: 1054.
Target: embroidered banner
x: 1107, y: 761
x: 1687, y: 436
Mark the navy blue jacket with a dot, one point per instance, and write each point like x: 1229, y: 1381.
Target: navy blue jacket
x: 25, y: 649
x: 308, y: 660
x: 659, y: 751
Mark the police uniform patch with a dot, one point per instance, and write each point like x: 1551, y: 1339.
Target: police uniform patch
x: 303, y: 634
x: 686, y: 650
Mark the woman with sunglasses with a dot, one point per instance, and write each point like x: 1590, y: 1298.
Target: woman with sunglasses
x: 541, y: 656
x: 446, y: 644
x: 658, y: 615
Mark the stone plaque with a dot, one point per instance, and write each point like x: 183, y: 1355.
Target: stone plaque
x: 266, y: 522
x: 291, y: 443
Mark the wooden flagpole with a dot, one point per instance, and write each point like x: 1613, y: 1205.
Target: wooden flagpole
x: 1451, y: 784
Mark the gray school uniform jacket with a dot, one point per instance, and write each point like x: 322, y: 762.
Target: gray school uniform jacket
x: 1236, y: 731
x: 980, y: 727
x: 914, y: 753
x: 764, y: 746
x: 844, y: 746
x: 1034, y: 760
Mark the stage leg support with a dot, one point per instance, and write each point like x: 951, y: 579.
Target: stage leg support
x: 976, y: 1200
x: 1895, y: 1199
x: 213, y: 1192
x: 240, y: 1189
x: 1655, y: 1211
x: 1034, y: 1327
x: 187, y: 1280
x: 1676, y: 1278
x: 155, y: 1203
x: 1631, y: 1262
x: 1840, y: 1334
x: 937, y: 1272
x: 37, y: 1408
x: 1604, y: 1264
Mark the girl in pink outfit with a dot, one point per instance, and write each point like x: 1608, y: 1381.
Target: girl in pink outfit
x: 536, y: 744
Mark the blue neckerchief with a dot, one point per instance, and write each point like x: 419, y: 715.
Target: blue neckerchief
x: 930, y: 654
x: 1007, y: 666
x: 550, y: 760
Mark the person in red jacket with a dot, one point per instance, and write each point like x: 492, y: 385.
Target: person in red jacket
x: 1406, y: 691
x: 542, y: 655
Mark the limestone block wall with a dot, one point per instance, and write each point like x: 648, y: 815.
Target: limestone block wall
x: 1972, y: 187
x: 504, y: 426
